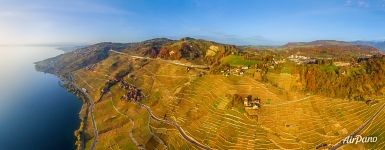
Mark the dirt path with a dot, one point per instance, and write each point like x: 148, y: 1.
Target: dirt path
x: 288, y: 102
x: 94, y: 125
x: 133, y: 125
x: 180, y: 130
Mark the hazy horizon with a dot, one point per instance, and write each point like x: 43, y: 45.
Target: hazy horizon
x: 242, y: 23
x: 74, y: 44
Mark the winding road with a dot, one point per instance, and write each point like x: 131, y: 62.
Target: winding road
x: 94, y: 125
x: 91, y: 108
x: 168, y: 61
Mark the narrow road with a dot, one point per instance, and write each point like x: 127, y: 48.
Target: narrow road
x: 359, y: 129
x: 288, y: 102
x: 168, y: 61
x: 181, y: 131
x: 91, y: 108
x: 94, y: 125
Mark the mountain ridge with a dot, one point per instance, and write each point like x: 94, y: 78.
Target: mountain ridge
x: 197, y: 51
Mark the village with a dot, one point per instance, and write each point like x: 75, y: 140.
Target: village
x: 298, y: 59
x: 236, y: 71
x: 133, y: 94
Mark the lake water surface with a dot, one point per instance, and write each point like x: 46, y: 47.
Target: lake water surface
x: 35, y: 111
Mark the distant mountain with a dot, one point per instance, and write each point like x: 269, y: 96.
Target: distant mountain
x: 197, y: 51
x: 317, y: 43
x: 71, y: 48
x: 377, y: 44
x: 329, y: 48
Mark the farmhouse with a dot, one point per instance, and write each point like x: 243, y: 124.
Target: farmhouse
x: 237, y: 71
x: 84, y: 90
x: 245, y: 67
x: 249, y: 102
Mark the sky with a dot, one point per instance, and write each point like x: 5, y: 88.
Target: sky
x: 241, y: 22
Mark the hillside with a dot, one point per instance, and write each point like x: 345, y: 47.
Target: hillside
x: 329, y: 48
x: 377, y: 44
x: 186, y: 49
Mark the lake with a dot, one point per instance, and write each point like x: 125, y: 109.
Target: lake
x: 35, y: 111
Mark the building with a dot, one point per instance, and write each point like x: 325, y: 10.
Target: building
x: 310, y: 61
x: 298, y: 59
x: 251, y: 103
x: 363, y: 58
x: 341, y: 64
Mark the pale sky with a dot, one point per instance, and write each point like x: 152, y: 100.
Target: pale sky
x: 236, y: 22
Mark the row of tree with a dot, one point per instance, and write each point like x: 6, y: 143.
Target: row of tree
x: 365, y: 80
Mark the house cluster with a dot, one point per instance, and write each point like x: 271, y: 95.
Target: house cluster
x: 360, y: 59
x: 302, y: 59
x: 281, y: 61
x: 237, y: 71
x: 133, y: 93
x: 363, y: 58
x: 251, y: 103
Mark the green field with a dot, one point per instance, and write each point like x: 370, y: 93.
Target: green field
x: 235, y: 60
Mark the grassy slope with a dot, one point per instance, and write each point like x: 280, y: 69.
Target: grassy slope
x: 235, y: 60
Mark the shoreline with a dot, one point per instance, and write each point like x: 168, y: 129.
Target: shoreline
x: 80, y: 133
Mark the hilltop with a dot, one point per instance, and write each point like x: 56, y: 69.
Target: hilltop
x: 186, y: 49
x: 196, y: 51
x: 377, y: 44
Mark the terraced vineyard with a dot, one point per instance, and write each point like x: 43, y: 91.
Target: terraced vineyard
x: 203, y: 106
x: 295, y: 125
x: 200, y: 107
x: 187, y: 107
